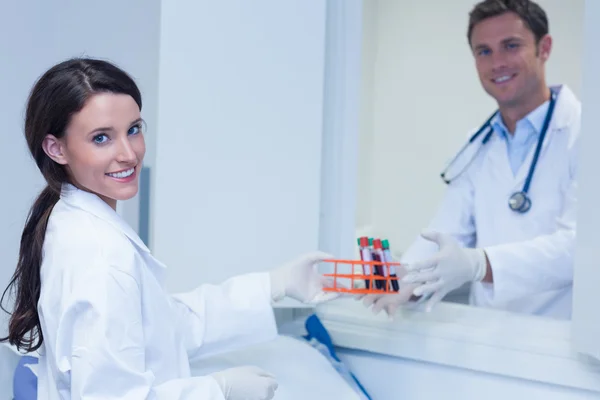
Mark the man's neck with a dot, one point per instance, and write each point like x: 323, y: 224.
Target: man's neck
x: 512, y: 114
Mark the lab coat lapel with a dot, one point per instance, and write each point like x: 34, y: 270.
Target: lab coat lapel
x: 565, y: 111
x: 93, y: 204
x: 497, y: 159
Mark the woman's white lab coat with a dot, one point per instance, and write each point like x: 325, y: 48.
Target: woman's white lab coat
x: 531, y: 254
x: 111, y: 331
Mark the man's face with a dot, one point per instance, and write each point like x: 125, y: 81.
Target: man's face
x: 509, y: 62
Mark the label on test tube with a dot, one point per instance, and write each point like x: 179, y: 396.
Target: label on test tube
x: 387, y: 256
x: 365, y: 255
x: 380, y: 270
x: 358, y: 270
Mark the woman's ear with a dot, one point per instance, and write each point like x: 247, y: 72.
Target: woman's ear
x: 53, y: 147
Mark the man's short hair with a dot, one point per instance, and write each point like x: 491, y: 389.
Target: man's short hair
x: 530, y: 12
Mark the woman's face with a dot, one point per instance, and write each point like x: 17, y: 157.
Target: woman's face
x: 103, y: 147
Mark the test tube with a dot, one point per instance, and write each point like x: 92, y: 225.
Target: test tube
x: 387, y: 256
x: 365, y: 255
x: 379, y: 269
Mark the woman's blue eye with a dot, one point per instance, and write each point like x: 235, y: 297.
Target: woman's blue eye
x: 512, y: 45
x: 99, y: 139
x: 484, y: 52
x: 134, y: 130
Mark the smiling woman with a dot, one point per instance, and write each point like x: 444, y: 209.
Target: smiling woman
x: 91, y: 296
x: 104, y: 158
x: 93, y: 92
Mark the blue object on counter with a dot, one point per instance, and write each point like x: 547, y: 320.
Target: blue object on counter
x: 24, y: 380
x: 319, y: 338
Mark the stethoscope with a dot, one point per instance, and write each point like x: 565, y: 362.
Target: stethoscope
x: 518, y: 201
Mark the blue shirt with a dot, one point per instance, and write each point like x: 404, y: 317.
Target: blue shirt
x: 526, y: 135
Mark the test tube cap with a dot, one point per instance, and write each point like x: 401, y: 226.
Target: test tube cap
x: 386, y: 244
x: 370, y: 241
x: 377, y: 243
x: 364, y: 242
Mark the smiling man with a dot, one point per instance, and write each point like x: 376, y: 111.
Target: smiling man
x: 506, y: 225
x: 511, y: 44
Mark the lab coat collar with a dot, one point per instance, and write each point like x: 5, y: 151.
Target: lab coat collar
x: 94, y: 205
x: 566, y: 112
x: 567, y: 109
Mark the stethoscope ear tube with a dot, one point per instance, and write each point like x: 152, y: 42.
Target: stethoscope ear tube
x: 486, y: 138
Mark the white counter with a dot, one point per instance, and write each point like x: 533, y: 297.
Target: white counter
x: 457, y: 346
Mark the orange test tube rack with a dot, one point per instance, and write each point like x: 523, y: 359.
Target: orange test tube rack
x: 345, y: 282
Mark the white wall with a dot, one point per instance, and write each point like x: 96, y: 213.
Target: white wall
x: 341, y: 117
x: 389, y: 378
x: 586, y: 296
x: 237, y: 177
x: 421, y: 96
x: 124, y: 32
x: 21, y: 180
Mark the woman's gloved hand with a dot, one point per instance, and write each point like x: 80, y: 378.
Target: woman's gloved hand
x: 300, y: 280
x: 246, y: 383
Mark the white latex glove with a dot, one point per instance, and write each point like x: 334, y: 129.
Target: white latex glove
x: 389, y: 302
x: 246, y: 383
x: 300, y: 280
x: 449, y: 269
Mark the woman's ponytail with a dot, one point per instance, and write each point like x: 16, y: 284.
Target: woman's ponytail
x: 24, y: 329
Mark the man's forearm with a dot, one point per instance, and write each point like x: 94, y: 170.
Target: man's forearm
x: 489, y: 276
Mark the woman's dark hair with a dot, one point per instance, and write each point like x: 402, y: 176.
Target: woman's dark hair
x: 60, y: 93
x: 531, y: 13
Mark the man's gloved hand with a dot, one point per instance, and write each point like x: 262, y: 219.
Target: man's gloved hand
x: 447, y: 270
x: 300, y: 280
x: 246, y: 383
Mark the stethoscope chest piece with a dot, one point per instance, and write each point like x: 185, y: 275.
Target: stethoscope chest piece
x: 519, y: 202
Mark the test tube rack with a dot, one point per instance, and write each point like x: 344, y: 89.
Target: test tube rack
x: 346, y: 279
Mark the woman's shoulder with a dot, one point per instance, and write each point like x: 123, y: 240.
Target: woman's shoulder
x: 75, y: 236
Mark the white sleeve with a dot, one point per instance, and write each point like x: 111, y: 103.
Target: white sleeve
x: 234, y: 314
x: 454, y: 216
x: 100, y: 342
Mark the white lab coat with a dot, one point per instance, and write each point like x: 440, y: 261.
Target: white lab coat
x: 111, y: 331
x: 531, y: 254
